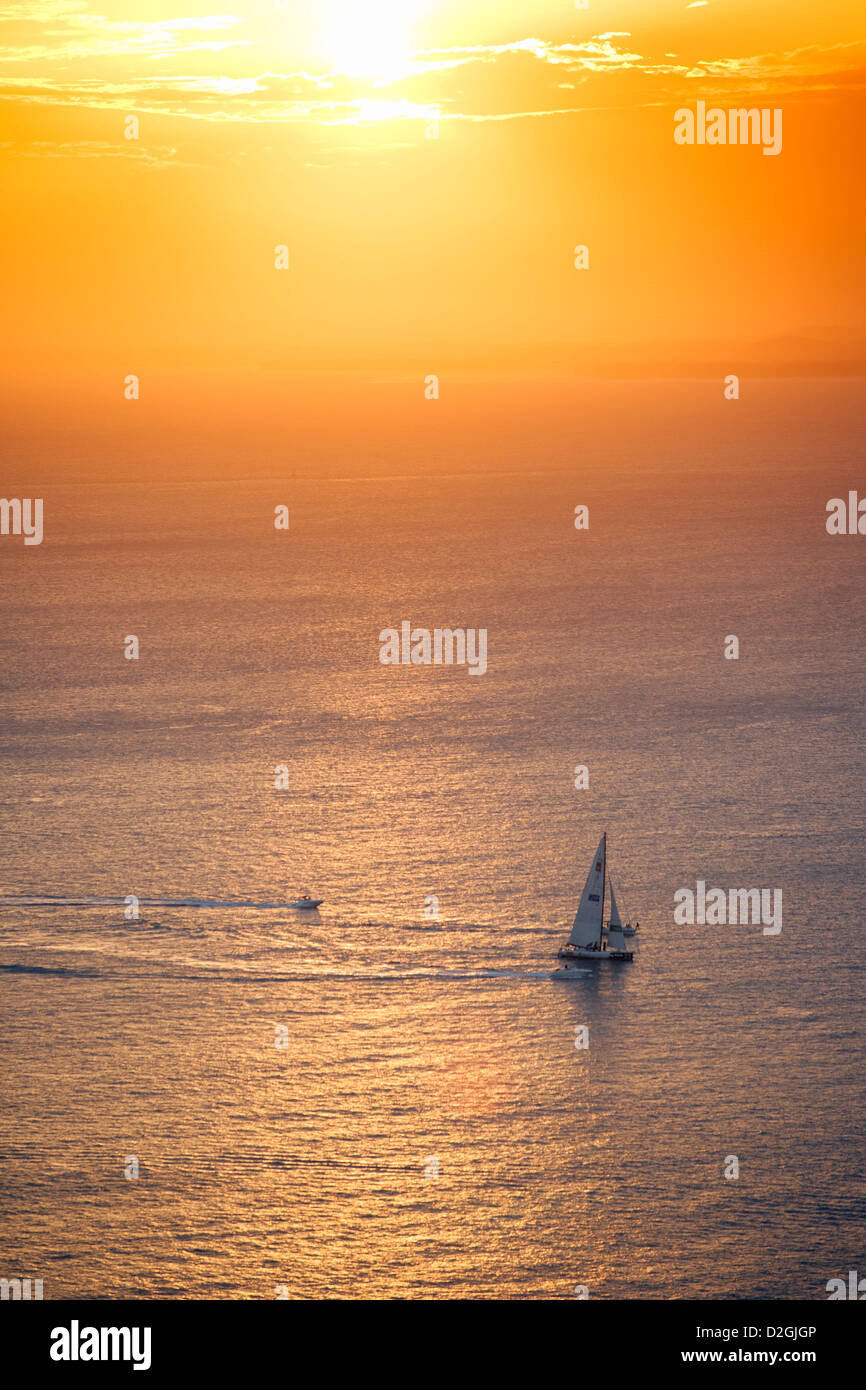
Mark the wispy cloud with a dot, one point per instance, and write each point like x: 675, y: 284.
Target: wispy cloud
x: 526, y: 78
x: 157, y: 156
x: 595, y: 55
x: 66, y: 31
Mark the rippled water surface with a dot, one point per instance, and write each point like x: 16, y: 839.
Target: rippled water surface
x: 365, y: 1101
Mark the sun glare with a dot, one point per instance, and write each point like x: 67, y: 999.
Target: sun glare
x: 372, y: 39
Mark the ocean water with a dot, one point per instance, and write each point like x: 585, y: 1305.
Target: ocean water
x: 367, y: 1102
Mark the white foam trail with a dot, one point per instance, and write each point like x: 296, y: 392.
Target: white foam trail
x: 50, y: 901
x: 255, y: 974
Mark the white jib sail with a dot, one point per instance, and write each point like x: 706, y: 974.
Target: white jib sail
x: 614, y: 920
x: 615, y: 934
x: 586, y: 930
x: 615, y: 938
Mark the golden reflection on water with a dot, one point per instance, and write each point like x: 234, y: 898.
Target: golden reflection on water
x: 430, y: 1129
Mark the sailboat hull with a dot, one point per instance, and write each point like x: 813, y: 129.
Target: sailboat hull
x: 587, y: 953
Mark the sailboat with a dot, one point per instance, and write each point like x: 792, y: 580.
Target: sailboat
x: 587, y: 939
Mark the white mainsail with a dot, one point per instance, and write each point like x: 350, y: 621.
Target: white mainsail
x: 587, y: 927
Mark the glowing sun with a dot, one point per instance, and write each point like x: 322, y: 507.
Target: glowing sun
x: 370, y: 38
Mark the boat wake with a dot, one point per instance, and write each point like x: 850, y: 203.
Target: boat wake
x: 229, y: 974
x: 49, y: 970
x: 377, y: 977
x: 50, y: 900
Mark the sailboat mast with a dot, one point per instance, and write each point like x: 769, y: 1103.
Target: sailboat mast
x: 603, y: 882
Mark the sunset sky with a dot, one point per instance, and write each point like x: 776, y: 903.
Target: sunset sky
x: 309, y: 125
